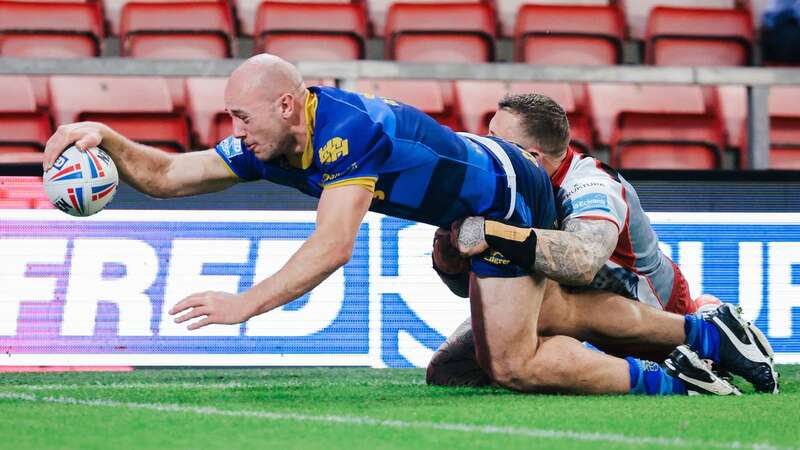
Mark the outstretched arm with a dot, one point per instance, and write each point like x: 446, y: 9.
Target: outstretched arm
x: 339, y: 216
x: 148, y: 169
x: 571, y: 256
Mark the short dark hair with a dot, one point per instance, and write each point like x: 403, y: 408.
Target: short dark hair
x: 542, y: 119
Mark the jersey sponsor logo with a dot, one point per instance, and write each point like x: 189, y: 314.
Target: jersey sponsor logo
x: 589, y: 202
x: 581, y: 186
x: 231, y: 147
x: 497, y: 258
x: 326, y: 177
x: 333, y: 150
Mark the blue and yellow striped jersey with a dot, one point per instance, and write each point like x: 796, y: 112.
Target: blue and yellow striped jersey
x: 416, y: 168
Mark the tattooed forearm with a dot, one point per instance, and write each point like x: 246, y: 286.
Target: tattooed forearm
x: 574, y: 256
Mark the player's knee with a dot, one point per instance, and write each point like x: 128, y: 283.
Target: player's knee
x: 518, y: 373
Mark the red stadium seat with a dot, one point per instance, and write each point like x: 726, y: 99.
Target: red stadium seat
x: 182, y: 30
x: 699, y: 37
x: 24, y: 192
x: 458, y: 33
x: 138, y: 107
x: 314, y: 31
x: 477, y: 102
x: 379, y: 9
x: 205, y: 105
x: 655, y: 126
x: 50, y: 29
x: 784, y: 127
x: 667, y: 141
x: 246, y: 10
x: 638, y: 11
x: 566, y: 34
x: 426, y: 95
x: 24, y: 129
x: 16, y: 204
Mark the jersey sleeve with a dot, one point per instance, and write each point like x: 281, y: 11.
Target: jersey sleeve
x: 594, y: 198
x: 241, y: 161
x: 351, y: 153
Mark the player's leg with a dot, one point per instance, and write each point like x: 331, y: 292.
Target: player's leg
x: 505, y: 315
x: 615, y: 324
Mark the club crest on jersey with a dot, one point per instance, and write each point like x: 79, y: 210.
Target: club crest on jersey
x: 333, y: 150
x: 231, y: 147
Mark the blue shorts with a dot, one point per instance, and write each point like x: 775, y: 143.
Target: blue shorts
x: 534, y: 207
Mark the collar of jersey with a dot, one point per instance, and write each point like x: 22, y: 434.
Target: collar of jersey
x: 304, y: 161
x: 563, y: 168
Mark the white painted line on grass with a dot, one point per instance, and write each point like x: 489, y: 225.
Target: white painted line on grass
x: 388, y: 423
x: 265, y: 384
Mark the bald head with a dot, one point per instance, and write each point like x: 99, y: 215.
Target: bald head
x: 264, y: 76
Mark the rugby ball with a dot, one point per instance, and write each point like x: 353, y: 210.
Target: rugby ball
x: 81, y: 183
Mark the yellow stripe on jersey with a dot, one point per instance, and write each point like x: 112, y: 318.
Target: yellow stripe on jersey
x: 304, y: 161
x: 365, y: 182
x: 228, y: 166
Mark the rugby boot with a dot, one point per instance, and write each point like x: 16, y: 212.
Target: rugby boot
x: 743, y: 348
x: 686, y: 365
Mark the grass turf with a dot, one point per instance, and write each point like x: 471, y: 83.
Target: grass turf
x: 367, y: 408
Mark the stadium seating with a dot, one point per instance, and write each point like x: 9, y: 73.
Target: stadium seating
x: 477, y: 102
x: 458, y: 33
x: 318, y: 31
x: 699, y: 37
x: 656, y: 126
x: 138, y: 107
x: 50, y: 29
x: 426, y: 95
x: 246, y: 10
x: 182, y: 30
x: 507, y: 10
x: 24, y: 129
x: 22, y: 193
x: 562, y: 34
x: 205, y: 105
x: 784, y: 124
x: 378, y: 10
x: 638, y: 11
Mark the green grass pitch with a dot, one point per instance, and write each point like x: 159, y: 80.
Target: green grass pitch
x: 326, y: 408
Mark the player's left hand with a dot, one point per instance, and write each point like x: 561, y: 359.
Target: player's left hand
x: 468, y: 236
x: 217, y: 307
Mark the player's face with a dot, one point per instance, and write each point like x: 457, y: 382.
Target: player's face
x: 260, y: 125
x: 507, y: 125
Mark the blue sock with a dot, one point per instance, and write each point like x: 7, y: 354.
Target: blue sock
x: 648, y: 378
x: 702, y: 337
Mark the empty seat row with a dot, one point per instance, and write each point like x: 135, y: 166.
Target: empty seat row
x: 421, y: 32
x: 23, y: 193
x: 643, y: 126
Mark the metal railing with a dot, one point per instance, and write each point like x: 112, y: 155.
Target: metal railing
x: 757, y: 80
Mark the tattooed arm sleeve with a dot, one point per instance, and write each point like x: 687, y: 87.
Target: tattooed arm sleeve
x: 573, y: 256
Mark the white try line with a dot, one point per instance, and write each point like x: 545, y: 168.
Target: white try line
x: 402, y: 424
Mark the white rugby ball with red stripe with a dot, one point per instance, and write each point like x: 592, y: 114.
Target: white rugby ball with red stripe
x: 81, y: 183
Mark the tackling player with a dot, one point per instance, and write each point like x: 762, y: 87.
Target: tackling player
x: 359, y: 153
x: 606, y: 254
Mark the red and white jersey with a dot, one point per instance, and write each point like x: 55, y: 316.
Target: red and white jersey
x: 588, y: 189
